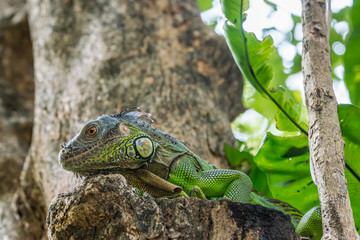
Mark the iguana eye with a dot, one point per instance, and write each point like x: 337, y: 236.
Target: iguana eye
x: 91, y: 131
x: 144, y: 147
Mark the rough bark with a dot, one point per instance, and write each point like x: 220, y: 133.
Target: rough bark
x: 104, y: 207
x: 95, y: 57
x: 16, y: 108
x: 326, y: 145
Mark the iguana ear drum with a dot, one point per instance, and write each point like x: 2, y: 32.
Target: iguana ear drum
x: 124, y: 129
x: 144, y: 147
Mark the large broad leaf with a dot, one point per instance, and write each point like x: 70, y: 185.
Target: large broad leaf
x: 293, y: 108
x: 253, y: 57
x: 255, y: 100
x: 352, y: 56
x: 258, y: 177
x: 349, y: 122
x: 352, y: 156
x: 350, y: 128
x: 285, y: 161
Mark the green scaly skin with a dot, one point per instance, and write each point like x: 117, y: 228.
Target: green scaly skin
x: 127, y: 143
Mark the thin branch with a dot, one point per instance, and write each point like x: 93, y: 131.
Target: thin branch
x: 327, y: 160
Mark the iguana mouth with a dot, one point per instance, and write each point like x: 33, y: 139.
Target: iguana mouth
x: 68, y: 155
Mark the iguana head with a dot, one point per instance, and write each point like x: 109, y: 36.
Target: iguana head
x: 106, y: 143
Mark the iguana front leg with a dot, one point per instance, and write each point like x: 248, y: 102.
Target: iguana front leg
x: 143, y: 180
x: 230, y: 184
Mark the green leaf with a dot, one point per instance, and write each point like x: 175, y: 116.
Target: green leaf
x: 297, y: 64
x: 349, y: 122
x: 237, y: 157
x: 254, y: 99
x: 204, y: 5
x: 283, y: 122
x: 350, y: 129
x: 236, y: 41
x: 234, y: 10
x: 352, y: 156
x: 285, y: 161
x: 343, y: 14
x: 253, y: 58
x: 352, y: 56
x: 291, y: 106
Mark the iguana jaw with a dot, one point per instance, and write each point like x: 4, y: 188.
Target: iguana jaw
x: 77, y: 159
x: 116, y: 152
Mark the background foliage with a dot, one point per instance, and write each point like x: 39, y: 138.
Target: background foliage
x: 273, y: 144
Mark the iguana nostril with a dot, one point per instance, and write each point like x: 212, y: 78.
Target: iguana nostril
x: 62, y: 145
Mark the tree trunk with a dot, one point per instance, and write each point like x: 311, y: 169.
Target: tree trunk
x: 325, y: 141
x: 16, y: 108
x: 94, y: 57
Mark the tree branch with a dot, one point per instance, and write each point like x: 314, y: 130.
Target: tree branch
x: 104, y: 207
x: 325, y: 141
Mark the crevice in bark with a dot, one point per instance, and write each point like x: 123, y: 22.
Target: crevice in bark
x: 29, y: 204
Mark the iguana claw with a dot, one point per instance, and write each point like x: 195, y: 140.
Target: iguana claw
x: 198, y: 192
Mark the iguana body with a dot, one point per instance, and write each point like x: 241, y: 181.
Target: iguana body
x: 157, y: 163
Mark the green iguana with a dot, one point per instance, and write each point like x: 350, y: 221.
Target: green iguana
x: 157, y: 163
